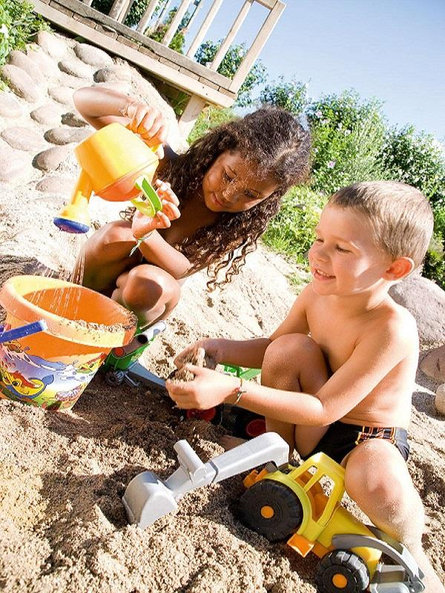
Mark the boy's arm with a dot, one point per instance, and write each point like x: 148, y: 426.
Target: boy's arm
x: 373, y: 358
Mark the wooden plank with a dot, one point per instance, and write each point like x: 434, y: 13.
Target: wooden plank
x: 204, y: 28
x: 257, y: 46
x: 170, y: 33
x: 146, y: 17
x: 168, y: 73
x: 231, y: 34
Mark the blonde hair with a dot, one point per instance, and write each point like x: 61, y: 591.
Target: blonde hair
x: 400, y: 215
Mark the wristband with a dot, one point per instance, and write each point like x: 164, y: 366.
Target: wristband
x: 139, y: 241
x: 239, y: 392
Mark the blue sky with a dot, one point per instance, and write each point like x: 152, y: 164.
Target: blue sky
x: 393, y: 50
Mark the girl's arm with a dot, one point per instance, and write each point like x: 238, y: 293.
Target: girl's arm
x: 101, y: 106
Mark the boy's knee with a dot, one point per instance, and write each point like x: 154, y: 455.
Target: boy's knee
x: 295, y: 346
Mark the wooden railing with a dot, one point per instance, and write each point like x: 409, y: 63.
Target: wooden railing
x: 202, y: 83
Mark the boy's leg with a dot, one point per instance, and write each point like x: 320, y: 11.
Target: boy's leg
x: 296, y: 363
x: 377, y: 478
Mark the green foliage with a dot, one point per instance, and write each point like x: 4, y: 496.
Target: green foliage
x: 209, y: 118
x: 416, y: 159
x: 291, y: 232
x: 347, y: 137
x: 291, y: 96
x: 230, y: 64
x: 18, y: 23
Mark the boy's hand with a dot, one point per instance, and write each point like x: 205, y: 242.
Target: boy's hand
x: 207, y: 390
x: 142, y: 224
x: 211, y: 348
x: 148, y: 122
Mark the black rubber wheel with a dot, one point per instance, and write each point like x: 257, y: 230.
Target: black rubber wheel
x: 114, y: 378
x: 271, y: 509
x: 342, y: 571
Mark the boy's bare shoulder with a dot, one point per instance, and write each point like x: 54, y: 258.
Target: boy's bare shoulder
x: 395, y: 324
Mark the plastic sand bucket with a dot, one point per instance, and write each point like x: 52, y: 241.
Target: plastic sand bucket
x: 51, y: 368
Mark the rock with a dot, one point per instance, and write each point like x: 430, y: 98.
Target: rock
x: 21, y: 60
x: 433, y: 364
x: 74, y: 120
x: 92, y: 55
x: 54, y: 46
x: 73, y: 82
x: 50, y: 159
x: 66, y: 135
x: 23, y: 138
x: 9, y: 106
x: 113, y: 74
x: 56, y: 185
x: 439, y: 400
x: 75, y: 68
x: 47, y: 114
x: 426, y: 302
x: 46, y: 64
x: 20, y: 82
x: 62, y: 94
x: 15, y: 165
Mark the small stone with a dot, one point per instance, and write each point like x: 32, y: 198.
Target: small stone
x: 46, y: 64
x: 433, y: 365
x: 74, y: 120
x: 15, y: 165
x: 20, y: 82
x: 56, y: 185
x: 75, y: 68
x: 21, y: 60
x: 73, y: 82
x: 23, y: 138
x: 62, y: 94
x: 66, y: 135
x: 47, y: 114
x: 50, y: 159
x: 439, y: 400
x: 113, y: 74
x: 92, y: 55
x: 9, y: 106
x: 54, y: 46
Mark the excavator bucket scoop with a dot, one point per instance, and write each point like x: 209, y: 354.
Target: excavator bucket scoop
x: 146, y: 499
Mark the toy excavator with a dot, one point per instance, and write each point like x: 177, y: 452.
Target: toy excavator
x: 282, y: 502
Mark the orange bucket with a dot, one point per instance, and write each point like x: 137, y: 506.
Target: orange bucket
x: 51, y: 368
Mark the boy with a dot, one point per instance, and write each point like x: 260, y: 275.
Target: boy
x: 337, y: 374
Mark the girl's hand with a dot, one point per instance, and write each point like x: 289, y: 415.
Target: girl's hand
x: 142, y: 224
x: 207, y: 390
x: 148, y: 122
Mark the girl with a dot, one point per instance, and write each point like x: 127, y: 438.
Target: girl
x: 229, y: 184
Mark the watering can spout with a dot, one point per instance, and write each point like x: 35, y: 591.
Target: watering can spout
x: 75, y: 218
x: 117, y: 166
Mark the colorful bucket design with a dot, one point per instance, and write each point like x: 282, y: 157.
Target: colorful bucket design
x: 51, y: 368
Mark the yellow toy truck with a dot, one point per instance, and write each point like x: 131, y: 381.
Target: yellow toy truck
x: 282, y: 502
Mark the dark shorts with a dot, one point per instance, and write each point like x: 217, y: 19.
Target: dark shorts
x: 341, y: 439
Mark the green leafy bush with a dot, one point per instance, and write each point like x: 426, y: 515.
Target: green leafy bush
x: 230, y: 64
x: 291, y: 96
x: 18, y: 23
x: 209, y: 118
x: 291, y: 231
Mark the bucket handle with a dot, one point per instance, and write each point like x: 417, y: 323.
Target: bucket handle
x: 22, y: 331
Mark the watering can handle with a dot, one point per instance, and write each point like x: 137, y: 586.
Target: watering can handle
x: 22, y: 331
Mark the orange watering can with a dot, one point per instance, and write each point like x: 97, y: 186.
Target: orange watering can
x: 117, y: 166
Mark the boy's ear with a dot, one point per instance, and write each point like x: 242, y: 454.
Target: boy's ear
x: 399, y: 268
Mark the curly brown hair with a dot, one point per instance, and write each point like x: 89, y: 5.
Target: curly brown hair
x: 274, y: 143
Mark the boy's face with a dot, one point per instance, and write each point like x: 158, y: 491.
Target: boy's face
x: 344, y: 259
x: 231, y: 185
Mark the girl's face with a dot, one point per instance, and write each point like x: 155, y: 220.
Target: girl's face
x: 344, y: 259
x: 230, y: 185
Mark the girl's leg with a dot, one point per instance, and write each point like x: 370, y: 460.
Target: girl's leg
x: 105, y: 256
x: 377, y: 478
x: 295, y: 362
x: 150, y: 292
